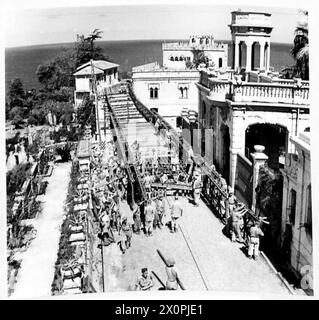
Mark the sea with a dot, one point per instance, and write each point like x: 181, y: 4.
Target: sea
x: 22, y: 62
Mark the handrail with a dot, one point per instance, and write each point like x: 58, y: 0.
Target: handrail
x: 212, y: 174
x: 122, y: 142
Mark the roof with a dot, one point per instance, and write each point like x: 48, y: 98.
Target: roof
x: 87, y: 71
x: 100, y: 64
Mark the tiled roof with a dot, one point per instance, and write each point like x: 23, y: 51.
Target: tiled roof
x: 101, y: 64
x: 87, y: 71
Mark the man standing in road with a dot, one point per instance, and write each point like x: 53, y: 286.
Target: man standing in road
x: 149, y: 218
x: 176, y: 212
x: 254, y: 233
x: 237, y: 222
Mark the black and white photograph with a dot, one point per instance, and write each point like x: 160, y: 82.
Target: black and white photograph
x: 153, y: 147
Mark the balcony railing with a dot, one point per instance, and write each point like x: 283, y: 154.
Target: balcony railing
x: 288, y: 93
x: 271, y: 93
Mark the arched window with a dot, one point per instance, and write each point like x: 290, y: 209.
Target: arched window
x: 171, y: 58
x: 180, y: 58
x: 207, y: 41
x: 193, y: 40
x: 185, y: 92
x: 220, y: 62
x: 151, y: 93
x: 176, y: 58
x: 182, y: 92
x: 188, y: 58
x: 155, y: 93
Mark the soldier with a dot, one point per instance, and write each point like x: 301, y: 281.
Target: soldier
x: 145, y: 281
x: 176, y: 213
x: 172, y: 275
x: 196, y: 189
x: 149, y: 218
x: 147, y: 182
x: 237, y: 222
x: 137, y: 219
x: 254, y: 233
x: 231, y: 202
x: 126, y: 229
x: 160, y: 208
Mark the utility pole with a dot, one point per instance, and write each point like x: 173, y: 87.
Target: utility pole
x: 98, y: 132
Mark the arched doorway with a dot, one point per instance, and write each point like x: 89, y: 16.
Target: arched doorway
x: 242, y: 55
x: 273, y: 137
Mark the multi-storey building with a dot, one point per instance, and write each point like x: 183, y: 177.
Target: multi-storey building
x: 105, y: 73
x: 171, y: 87
x: 296, y: 229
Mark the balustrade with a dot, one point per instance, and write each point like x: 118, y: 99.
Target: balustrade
x: 279, y: 91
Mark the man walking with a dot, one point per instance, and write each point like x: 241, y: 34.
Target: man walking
x: 254, y: 233
x: 176, y: 212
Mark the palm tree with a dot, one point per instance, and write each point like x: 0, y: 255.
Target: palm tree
x: 300, y: 51
x: 96, y: 34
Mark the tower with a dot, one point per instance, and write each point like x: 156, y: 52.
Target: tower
x: 251, y: 30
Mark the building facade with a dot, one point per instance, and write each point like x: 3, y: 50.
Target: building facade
x: 296, y: 235
x: 251, y: 40
x: 176, y: 54
x: 166, y: 91
x: 170, y: 87
x: 105, y: 73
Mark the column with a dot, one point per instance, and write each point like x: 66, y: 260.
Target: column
x: 236, y: 50
x: 259, y: 159
x: 248, y: 56
x: 237, y: 143
x: 262, y: 56
x: 268, y: 56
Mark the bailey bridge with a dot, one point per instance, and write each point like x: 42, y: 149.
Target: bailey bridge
x: 205, y: 256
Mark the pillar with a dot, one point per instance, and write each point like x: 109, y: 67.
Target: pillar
x: 262, y: 56
x: 248, y: 56
x: 237, y: 143
x: 268, y: 56
x: 236, y: 55
x: 259, y: 159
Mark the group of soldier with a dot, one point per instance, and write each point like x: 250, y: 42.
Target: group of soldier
x: 155, y: 212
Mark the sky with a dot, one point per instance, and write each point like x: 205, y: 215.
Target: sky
x: 57, y: 25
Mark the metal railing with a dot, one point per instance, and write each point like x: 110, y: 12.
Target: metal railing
x: 214, y: 192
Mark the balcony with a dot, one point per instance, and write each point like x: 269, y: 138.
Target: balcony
x: 279, y: 91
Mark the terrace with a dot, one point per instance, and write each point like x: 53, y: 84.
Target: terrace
x: 264, y: 90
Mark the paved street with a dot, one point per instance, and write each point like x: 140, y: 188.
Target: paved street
x: 222, y: 264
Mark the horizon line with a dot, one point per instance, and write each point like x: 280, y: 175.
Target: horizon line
x: 159, y: 39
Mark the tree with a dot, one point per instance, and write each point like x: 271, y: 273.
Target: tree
x: 300, y: 52
x: 86, y: 48
x: 15, y: 99
x: 86, y: 114
x: 199, y: 57
x: 58, y: 72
